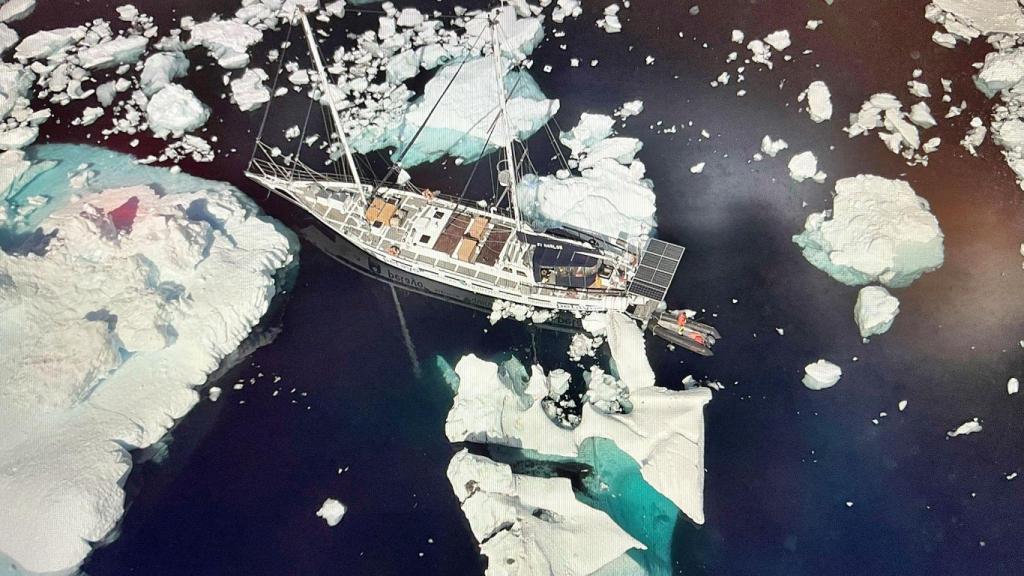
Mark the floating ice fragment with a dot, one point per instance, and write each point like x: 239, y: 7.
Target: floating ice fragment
x: 819, y: 101
x: 875, y: 310
x: 697, y: 168
x: 331, y: 511
x: 773, y: 147
x: 821, y: 374
x: 879, y: 231
x: 803, y: 166
x: 969, y: 427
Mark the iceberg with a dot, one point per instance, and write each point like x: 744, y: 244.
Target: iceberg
x: 821, y: 374
x: 465, y: 124
x: 879, y: 231
x: 663, y: 433
x: 969, y: 427
x: 609, y: 196
x: 45, y: 43
x: 16, y: 10
x: 331, y: 511
x: 875, y: 310
x: 118, y: 300
x: 804, y: 166
x: 819, y: 101
x: 175, y: 110
x: 249, y: 92
x: 530, y: 525
x: 228, y: 41
x: 161, y: 69
x: 114, y: 52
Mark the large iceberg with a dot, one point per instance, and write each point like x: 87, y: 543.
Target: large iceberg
x: 663, y: 433
x: 530, y: 525
x: 879, y: 231
x: 118, y: 299
x: 462, y: 120
x: 609, y: 195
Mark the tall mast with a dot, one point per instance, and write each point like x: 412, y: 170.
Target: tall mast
x: 510, y: 161
x: 321, y: 73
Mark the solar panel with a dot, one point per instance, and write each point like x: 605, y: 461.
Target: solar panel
x: 657, y: 267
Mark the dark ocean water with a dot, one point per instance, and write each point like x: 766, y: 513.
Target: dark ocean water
x: 238, y: 488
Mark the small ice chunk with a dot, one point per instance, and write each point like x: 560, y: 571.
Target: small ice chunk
x: 631, y: 108
x: 175, y: 110
x: 804, y: 166
x: 214, y: 393
x: 819, y: 101
x: 773, y: 147
x: 737, y: 36
x: 1012, y: 386
x: 821, y: 374
x: 921, y: 115
x: 969, y: 427
x: 919, y: 89
x: 778, y: 40
x: 697, y: 168
x: 813, y: 24
x: 875, y: 310
x: 331, y: 511
x: 902, y: 405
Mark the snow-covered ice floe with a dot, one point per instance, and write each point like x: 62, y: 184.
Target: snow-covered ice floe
x: 643, y: 447
x: 663, y: 433
x: 878, y: 230
x: 821, y: 374
x: 604, y: 192
x: 529, y: 525
x: 331, y: 511
x: 118, y: 299
x: 875, y: 310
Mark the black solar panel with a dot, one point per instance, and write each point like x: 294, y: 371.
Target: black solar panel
x: 657, y: 267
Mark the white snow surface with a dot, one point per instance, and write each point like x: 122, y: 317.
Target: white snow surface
x: 875, y: 310
x: 107, y: 333
x: 879, y: 231
x: 664, y: 433
x: 528, y: 525
x: 821, y: 374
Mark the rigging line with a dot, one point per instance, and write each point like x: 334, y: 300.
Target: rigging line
x: 302, y: 139
x: 277, y: 78
x: 476, y: 163
x: 432, y: 109
x: 556, y: 145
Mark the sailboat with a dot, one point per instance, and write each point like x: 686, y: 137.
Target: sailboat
x: 490, y: 251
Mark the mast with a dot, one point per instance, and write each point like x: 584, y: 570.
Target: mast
x: 510, y: 162
x: 321, y: 73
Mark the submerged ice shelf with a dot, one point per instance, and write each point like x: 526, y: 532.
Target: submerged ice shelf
x: 117, y: 301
